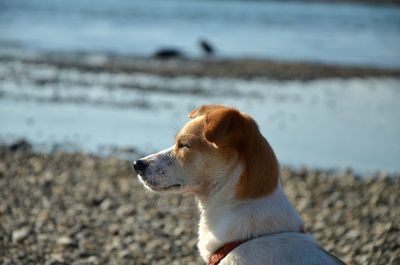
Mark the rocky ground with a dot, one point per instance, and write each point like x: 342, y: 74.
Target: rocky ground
x: 76, y: 208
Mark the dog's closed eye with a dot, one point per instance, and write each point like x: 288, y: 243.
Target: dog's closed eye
x: 182, y: 142
x: 183, y: 145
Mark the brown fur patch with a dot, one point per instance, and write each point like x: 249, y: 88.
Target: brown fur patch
x: 227, y: 127
x: 261, y: 173
x: 220, y: 126
x: 203, y: 109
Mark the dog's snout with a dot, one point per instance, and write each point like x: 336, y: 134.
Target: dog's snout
x: 140, y: 165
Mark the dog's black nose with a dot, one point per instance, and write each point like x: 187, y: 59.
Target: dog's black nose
x: 140, y: 165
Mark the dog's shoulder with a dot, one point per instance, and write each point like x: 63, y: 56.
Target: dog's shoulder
x: 280, y: 249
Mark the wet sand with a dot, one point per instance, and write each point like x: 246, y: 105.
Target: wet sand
x: 211, y: 67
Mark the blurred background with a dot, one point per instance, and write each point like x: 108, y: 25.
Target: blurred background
x: 126, y: 73
x: 321, y: 78
x: 88, y: 86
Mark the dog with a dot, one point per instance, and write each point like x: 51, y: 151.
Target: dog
x: 221, y: 157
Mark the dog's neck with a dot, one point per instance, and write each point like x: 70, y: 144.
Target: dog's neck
x: 225, y: 219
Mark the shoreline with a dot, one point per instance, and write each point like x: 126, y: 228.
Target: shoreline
x: 242, y: 68
x: 127, y: 153
x: 82, y: 209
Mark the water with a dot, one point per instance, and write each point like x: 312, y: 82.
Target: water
x: 329, y: 123
x: 329, y: 33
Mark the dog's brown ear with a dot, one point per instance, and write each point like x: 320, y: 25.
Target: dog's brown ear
x: 261, y: 173
x: 222, y: 126
x: 203, y: 110
x: 229, y: 127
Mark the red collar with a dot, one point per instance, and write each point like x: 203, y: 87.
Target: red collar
x: 221, y: 253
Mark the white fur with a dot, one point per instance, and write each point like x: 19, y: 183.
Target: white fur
x: 270, y: 220
x: 224, y: 219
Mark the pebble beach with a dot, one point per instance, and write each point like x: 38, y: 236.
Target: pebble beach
x: 87, y: 89
x: 76, y: 208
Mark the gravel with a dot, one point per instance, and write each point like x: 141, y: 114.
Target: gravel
x: 64, y: 208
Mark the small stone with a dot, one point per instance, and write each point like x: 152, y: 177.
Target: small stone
x: 125, y: 210
x: 352, y: 233
x: 20, y: 234
x: 106, y: 204
x: 178, y: 231
x: 86, y: 261
x: 124, y: 253
x: 65, y: 241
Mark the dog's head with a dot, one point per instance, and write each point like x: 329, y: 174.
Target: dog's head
x: 215, y: 143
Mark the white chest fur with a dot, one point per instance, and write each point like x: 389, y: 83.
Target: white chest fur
x: 224, y: 219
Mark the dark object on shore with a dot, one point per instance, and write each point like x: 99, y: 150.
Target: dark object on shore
x: 168, y: 53
x: 21, y: 145
x: 207, y: 47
